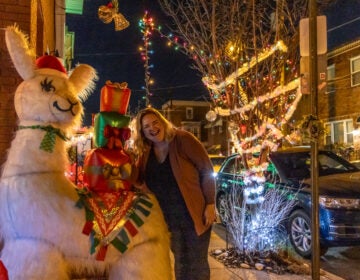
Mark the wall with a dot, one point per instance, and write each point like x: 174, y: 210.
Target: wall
x: 344, y: 102
x: 35, y: 18
x: 11, y: 11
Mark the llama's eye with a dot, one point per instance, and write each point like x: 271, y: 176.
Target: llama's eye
x: 47, y: 85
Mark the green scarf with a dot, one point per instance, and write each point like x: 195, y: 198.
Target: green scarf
x: 48, y: 142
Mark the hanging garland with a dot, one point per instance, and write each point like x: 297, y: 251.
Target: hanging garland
x: 245, y: 68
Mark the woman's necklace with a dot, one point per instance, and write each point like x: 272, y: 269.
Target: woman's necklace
x: 161, y: 151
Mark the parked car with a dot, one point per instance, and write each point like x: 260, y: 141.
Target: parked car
x: 356, y: 163
x: 339, y: 195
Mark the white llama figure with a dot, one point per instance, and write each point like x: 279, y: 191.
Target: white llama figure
x: 40, y: 226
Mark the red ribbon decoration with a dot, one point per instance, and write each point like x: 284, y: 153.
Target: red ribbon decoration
x: 116, y: 136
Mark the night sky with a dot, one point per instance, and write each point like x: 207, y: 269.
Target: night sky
x: 115, y: 56
x: 343, y: 21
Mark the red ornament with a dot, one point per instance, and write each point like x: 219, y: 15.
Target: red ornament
x: 243, y: 129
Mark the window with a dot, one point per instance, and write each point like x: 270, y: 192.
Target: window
x: 193, y: 127
x: 339, y: 132
x: 220, y: 129
x: 194, y: 130
x: 189, y: 113
x: 330, y: 79
x: 69, y: 49
x: 355, y: 71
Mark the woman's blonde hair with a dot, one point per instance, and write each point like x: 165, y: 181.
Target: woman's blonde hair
x: 140, y: 141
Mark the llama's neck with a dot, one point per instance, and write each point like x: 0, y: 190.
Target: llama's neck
x: 36, y: 149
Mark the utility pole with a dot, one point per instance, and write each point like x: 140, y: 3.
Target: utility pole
x: 315, y: 271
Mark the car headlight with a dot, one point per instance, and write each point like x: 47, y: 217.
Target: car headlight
x: 347, y: 203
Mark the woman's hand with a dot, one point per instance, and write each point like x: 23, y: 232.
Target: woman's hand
x: 209, y: 214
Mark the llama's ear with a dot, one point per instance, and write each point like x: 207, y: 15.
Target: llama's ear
x: 21, y: 54
x: 83, y: 77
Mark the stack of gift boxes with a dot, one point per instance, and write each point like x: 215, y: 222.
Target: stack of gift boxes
x: 107, y: 167
x: 114, y: 213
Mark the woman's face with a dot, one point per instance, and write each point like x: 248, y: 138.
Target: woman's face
x: 153, y: 128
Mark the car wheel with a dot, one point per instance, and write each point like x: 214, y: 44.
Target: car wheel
x: 300, y: 234
x: 221, y: 207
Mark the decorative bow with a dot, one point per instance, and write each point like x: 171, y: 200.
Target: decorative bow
x: 122, y: 85
x: 116, y: 136
x: 110, y: 12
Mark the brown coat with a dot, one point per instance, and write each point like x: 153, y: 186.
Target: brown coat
x: 192, y: 169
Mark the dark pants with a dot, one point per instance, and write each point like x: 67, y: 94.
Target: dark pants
x: 190, y: 253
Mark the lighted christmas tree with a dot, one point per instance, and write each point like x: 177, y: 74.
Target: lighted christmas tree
x: 247, y: 52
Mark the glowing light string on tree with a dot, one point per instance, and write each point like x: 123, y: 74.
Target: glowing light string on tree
x: 189, y: 49
x: 261, y: 99
x: 266, y: 128
x: 146, y: 25
x: 244, y: 68
x: 263, y: 128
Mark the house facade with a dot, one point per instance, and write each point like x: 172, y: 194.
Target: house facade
x: 36, y: 18
x: 339, y: 105
x: 192, y: 116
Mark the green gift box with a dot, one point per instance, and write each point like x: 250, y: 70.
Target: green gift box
x: 104, y: 119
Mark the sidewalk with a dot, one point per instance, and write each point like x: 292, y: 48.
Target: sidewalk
x: 220, y: 272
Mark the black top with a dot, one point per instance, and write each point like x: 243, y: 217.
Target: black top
x: 161, y: 181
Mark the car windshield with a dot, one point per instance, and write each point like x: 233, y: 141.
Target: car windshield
x: 298, y: 165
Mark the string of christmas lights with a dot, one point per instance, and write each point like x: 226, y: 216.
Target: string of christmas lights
x: 265, y: 127
x: 146, y: 25
x: 267, y: 131
x: 210, y: 83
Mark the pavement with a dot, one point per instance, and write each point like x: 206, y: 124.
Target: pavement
x: 221, y: 272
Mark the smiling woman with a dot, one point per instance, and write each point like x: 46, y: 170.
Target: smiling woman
x: 175, y: 166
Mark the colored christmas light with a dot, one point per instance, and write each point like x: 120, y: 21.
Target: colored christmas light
x: 146, y: 25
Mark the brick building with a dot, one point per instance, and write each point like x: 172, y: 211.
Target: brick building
x: 37, y: 19
x: 191, y: 116
x: 339, y: 107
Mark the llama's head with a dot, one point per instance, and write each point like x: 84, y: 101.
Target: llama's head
x: 47, y: 94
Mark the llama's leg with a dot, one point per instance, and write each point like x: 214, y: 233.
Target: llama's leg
x: 33, y: 260
x: 145, y: 261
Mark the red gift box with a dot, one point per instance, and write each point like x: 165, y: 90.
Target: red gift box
x: 107, y: 170
x: 114, y: 97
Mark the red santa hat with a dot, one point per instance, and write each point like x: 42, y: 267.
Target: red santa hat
x: 50, y: 61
